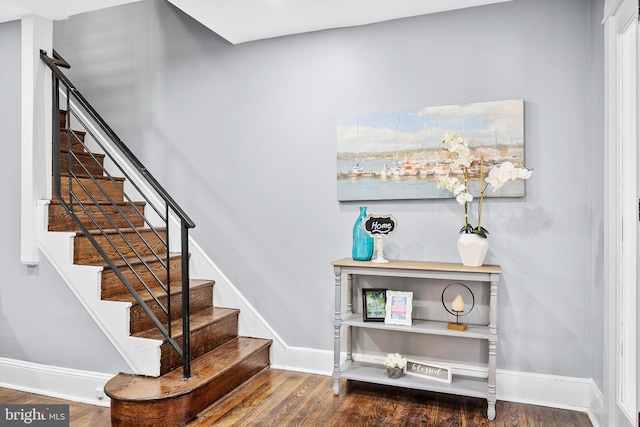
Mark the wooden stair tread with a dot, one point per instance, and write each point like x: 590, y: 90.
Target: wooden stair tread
x: 132, y: 388
x: 157, y: 290
x: 104, y: 212
x: 55, y: 201
x: 134, y: 261
x: 64, y: 129
x: 83, y: 153
x: 120, y: 179
x: 124, y: 230
x: 197, y: 320
x: 76, y: 146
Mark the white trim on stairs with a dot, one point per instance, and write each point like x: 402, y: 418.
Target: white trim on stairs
x: 35, y: 144
x: 141, y: 354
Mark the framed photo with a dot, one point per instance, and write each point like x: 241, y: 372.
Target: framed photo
x: 374, y: 303
x: 398, y: 308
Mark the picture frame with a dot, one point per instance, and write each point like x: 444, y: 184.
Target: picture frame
x: 397, y: 154
x: 435, y: 372
x: 399, y: 306
x: 374, y: 302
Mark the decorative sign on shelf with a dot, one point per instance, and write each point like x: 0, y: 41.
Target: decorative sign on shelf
x: 398, y: 309
x: 378, y: 226
x: 428, y: 370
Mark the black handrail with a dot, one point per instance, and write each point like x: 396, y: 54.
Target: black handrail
x: 86, y: 116
x: 114, y: 138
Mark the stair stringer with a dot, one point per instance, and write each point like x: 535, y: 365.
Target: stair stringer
x: 142, y: 355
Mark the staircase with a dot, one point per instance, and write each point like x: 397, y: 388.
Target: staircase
x: 220, y: 359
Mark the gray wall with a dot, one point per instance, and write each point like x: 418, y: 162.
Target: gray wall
x: 41, y: 321
x: 244, y: 137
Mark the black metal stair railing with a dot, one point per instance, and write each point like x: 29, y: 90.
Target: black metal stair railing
x: 86, y: 189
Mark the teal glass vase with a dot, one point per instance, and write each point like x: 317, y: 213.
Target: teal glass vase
x: 362, y: 242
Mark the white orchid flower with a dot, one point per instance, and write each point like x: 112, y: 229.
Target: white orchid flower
x: 509, y: 169
x: 463, y: 160
x: 464, y: 197
x: 499, y: 175
x: 523, y: 173
x: 496, y: 178
x: 453, y: 142
x: 449, y: 183
x: 458, y: 189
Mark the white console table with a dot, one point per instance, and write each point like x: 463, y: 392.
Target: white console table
x: 367, y: 372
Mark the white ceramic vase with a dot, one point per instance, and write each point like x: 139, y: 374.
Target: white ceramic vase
x: 472, y: 249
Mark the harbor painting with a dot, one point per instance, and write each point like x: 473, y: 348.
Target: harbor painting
x: 399, y: 155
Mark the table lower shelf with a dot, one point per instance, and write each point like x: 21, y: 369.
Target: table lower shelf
x: 367, y: 372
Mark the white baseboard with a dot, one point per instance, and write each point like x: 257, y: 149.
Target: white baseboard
x: 577, y: 394
x: 53, y: 381
x: 596, y: 409
x: 554, y: 391
x: 310, y: 361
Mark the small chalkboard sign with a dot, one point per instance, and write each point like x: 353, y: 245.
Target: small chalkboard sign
x: 380, y: 224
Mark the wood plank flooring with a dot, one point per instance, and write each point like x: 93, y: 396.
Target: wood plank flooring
x: 284, y: 398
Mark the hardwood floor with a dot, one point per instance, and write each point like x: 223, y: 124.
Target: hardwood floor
x: 284, y: 398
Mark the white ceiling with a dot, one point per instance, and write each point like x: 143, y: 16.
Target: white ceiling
x: 54, y: 9
x: 241, y: 21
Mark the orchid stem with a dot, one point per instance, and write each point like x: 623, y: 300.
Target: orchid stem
x: 483, y: 187
x: 466, y: 204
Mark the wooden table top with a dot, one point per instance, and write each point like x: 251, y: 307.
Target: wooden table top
x: 418, y: 265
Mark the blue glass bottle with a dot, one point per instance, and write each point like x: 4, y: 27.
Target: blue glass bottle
x: 362, y: 241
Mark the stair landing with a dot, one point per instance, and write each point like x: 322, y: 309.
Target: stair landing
x: 170, y: 400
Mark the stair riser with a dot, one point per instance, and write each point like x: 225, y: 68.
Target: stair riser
x: 83, y: 164
x: 63, y: 129
x: 86, y: 253
x: 180, y: 410
x: 201, y: 298
x: 75, y: 137
x: 110, y: 189
x: 202, y: 340
x: 59, y: 219
x: 112, y: 286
